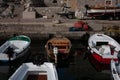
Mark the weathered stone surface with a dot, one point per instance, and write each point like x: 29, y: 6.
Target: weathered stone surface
x: 48, y: 11
x: 29, y: 15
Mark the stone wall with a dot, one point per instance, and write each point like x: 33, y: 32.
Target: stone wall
x: 38, y: 31
x: 48, y: 11
x: 46, y: 3
x: 29, y: 15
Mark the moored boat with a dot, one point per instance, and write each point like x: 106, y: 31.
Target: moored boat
x: 30, y: 71
x: 106, y: 10
x: 115, y: 69
x: 102, y: 49
x: 103, y: 10
x: 14, y: 48
x: 62, y: 44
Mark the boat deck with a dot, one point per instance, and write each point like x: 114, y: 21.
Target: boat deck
x: 37, y: 77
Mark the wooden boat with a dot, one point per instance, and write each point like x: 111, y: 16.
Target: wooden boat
x: 63, y: 45
x: 102, y: 49
x: 30, y: 71
x: 115, y: 69
x: 14, y: 48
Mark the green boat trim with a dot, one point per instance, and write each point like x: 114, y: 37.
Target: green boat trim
x: 20, y: 37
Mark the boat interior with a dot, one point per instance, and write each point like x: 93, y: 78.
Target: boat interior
x: 17, y: 46
x: 59, y: 45
x: 13, y: 47
x: 104, y: 48
x: 29, y: 71
x: 62, y: 44
x: 37, y: 77
x: 63, y: 48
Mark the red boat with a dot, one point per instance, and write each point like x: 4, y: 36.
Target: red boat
x: 102, y: 49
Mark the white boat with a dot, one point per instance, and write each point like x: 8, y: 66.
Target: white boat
x: 102, y: 49
x: 115, y: 68
x: 14, y: 48
x: 104, y: 10
x: 29, y: 71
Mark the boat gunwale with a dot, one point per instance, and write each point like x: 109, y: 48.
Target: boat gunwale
x: 20, y: 37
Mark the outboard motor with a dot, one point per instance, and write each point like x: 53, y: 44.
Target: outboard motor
x: 87, y: 8
x: 55, y: 51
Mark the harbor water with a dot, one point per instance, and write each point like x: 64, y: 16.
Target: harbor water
x: 75, y: 67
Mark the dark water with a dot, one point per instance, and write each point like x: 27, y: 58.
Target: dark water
x: 76, y: 67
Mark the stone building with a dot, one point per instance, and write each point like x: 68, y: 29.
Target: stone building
x: 51, y: 7
x: 71, y: 3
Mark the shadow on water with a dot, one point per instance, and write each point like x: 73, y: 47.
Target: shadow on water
x: 75, y: 67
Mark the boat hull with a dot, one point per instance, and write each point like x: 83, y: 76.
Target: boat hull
x: 98, y: 62
x: 100, y: 12
x: 102, y: 49
x: 114, y: 70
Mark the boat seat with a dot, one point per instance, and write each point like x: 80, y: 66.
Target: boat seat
x: 105, y: 50
x: 101, y: 50
x: 17, y: 50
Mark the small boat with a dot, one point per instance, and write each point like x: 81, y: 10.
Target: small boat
x: 62, y: 44
x: 115, y: 69
x: 93, y: 11
x: 102, y: 49
x: 30, y: 71
x: 104, y: 10
x: 14, y: 48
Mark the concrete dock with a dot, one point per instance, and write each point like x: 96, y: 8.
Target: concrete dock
x: 42, y: 28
